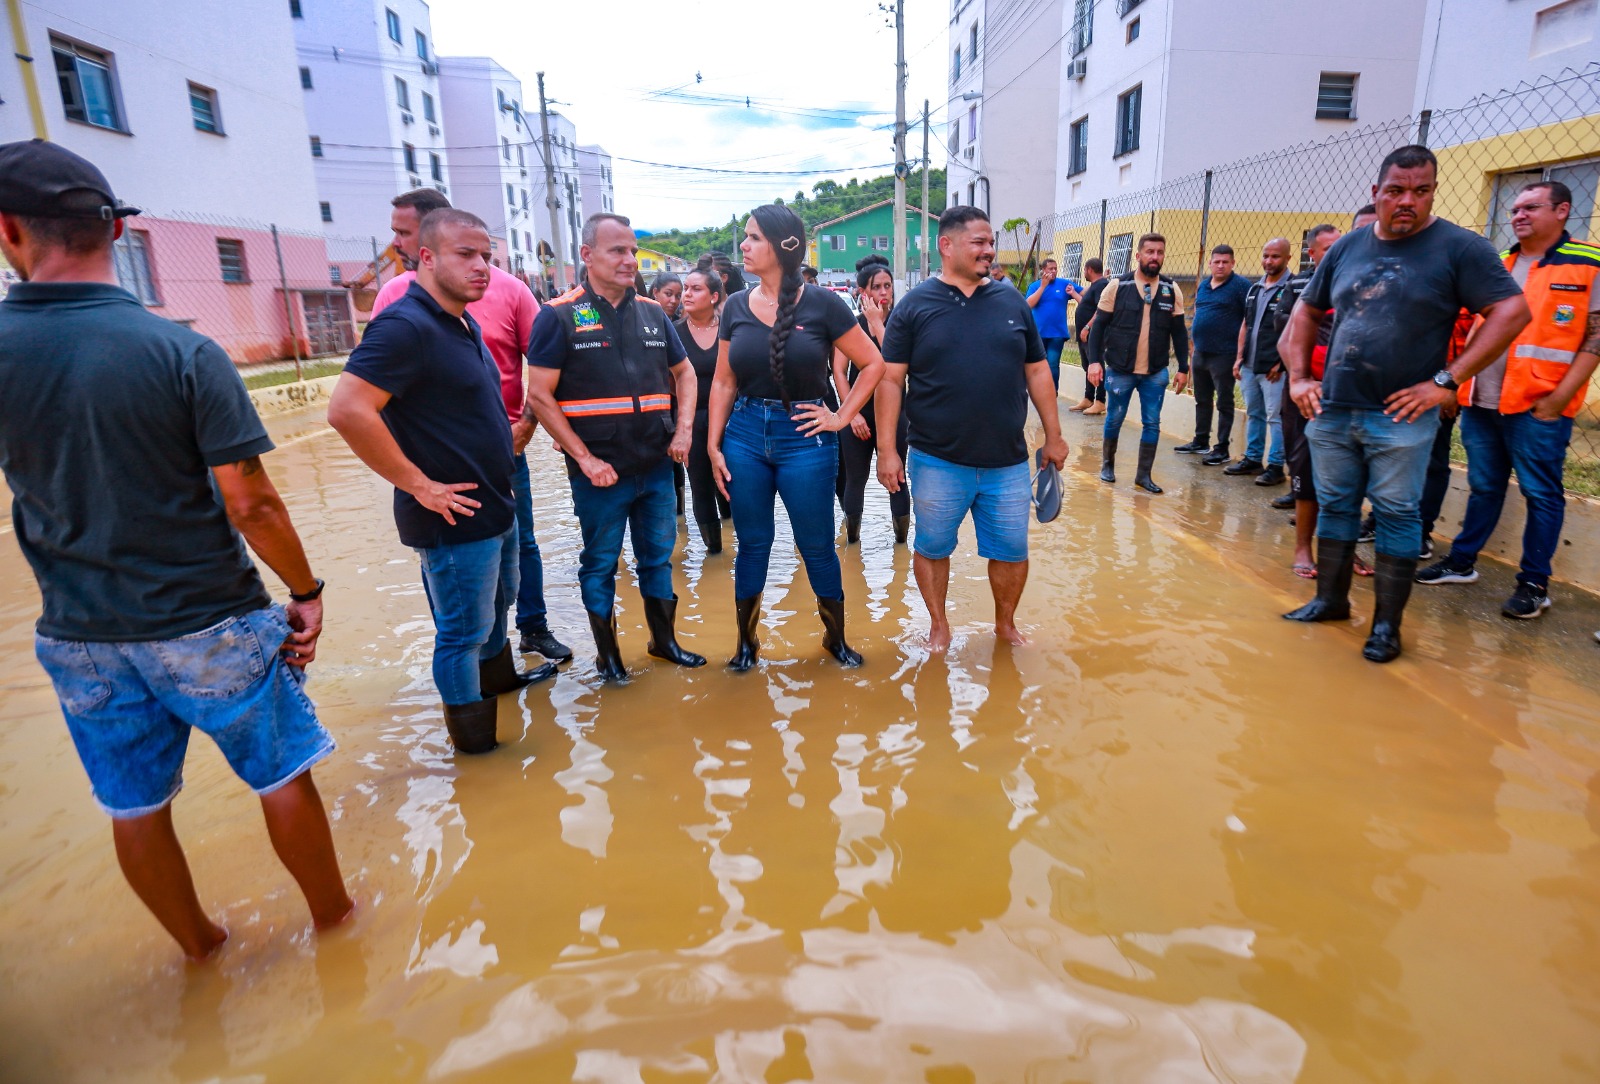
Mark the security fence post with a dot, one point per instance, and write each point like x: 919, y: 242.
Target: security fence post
x: 1205, y: 225
x: 288, y: 304
x: 1103, y: 229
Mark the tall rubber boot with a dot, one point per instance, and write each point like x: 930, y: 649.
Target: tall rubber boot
x: 471, y: 725
x: 749, y: 615
x: 711, y: 534
x: 1147, y: 460
x: 1391, y: 585
x: 1108, y: 460
x: 608, y: 656
x: 902, y: 529
x: 832, y: 611
x: 500, y: 675
x: 661, y: 615
x: 852, y: 530
x: 1336, y: 564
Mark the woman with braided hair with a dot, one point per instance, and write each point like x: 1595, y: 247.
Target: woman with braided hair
x: 771, y: 432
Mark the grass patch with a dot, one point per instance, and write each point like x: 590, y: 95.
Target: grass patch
x: 311, y: 370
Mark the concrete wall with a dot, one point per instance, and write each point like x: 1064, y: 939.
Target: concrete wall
x: 1470, y: 47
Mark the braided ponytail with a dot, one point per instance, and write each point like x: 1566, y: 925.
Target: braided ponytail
x: 785, y: 231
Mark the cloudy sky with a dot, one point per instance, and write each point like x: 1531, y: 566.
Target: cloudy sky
x: 667, y: 83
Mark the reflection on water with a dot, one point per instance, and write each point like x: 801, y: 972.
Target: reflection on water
x: 1170, y: 840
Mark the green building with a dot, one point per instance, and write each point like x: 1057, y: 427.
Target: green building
x: 836, y: 245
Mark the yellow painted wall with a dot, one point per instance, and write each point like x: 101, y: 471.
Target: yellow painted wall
x: 1467, y: 171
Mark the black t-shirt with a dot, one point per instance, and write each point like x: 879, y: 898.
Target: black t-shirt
x: 1397, y: 303
x: 820, y: 319
x: 704, y: 363
x: 966, y: 390
x: 1088, y: 303
x: 111, y: 419
x: 446, y: 414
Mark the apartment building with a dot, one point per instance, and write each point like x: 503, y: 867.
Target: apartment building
x: 493, y: 159
x: 596, y: 192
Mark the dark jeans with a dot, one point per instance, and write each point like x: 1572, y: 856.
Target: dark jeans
x: 1095, y: 393
x: 1438, y: 481
x: 1498, y: 444
x: 710, y: 506
x: 856, y: 455
x: 768, y: 459
x: 648, y: 504
x: 1213, y: 382
x: 1152, y: 389
x: 1367, y: 454
x: 469, y: 586
x: 1052, y: 356
x: 530, y: 589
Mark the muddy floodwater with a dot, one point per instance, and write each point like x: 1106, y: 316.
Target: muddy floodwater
x: 1173, y: 839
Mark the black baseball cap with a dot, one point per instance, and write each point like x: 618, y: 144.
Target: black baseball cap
x: 45, y: 180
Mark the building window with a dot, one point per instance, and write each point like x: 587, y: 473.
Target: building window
x: 1121, y: 252
x: 527, y: 240
x: 203, y: 108
x: 393, y: 21
x: 1583, y: 178
x: 1128, y: 107
x: 1133, y: 32
x: 500, y: 99
x: 836, y: 242
x: 861, y: 242
x: 435, y: 167
x: 335, y: 278
x: 880, y: 244
x: 402, y: 94
x: 1072, y: 260
x: 305, y: 78
x: 972, y: 194
x: 409, y: 153
x: 324, y: 207
x: 955, y: 67
x: 428, y: 113
x: 972, y: 125
x: 515, y: 245
x: 520, y: 160
x: 511, y: 197
x: 294, y: 10
x: 972, y: 40
x: 524, y: 199
x: 316, y: 146
x: 422, y: 45
x: 1336, y: 96
x: 955, y: 135
x: 230, y: 254
x: 505, y: 148
x: 88, y: 85
x: 132, y: 254
x: 1078, y: 147
x: 1081, y: 34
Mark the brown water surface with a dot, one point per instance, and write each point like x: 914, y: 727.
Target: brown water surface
x: 1172, y: 839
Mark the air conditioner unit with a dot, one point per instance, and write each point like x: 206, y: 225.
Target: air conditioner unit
x: 416, y: 182
x: 967, y: 154
x: 407, y: 118
x: 429, y: 68
x: 433, y: 129
x: 1078, y: 68
x: 524, y: 173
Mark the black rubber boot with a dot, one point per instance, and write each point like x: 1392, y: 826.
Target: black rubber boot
x: 902, y: 528
x: 661, y: 615
x: 543, y: 642
x: 852, y: 530
x: 749, y: 615
x: 1391, y: 585
x: 832, y: 611
x: 500, y: 675
x: 711, y: 534
x: 608, y: 656
x: 1336, y: 564
x: 1147, y: 460
x: 1108, y: 460
x: 471, y: 726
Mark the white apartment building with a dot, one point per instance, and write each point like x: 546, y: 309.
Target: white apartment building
x: 596, y: 191
x: 493, y: 160
x: 370, y: 85
x: 1004, y: 82
x: 203, y: 128
x: 565, y: 166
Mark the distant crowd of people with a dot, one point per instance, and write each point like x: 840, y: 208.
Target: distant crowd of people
x: 134, y: 454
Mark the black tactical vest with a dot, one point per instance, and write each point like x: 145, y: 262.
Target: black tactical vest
x: 1122, y: 331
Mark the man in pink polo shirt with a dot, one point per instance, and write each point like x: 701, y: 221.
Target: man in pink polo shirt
x: 505, y: 313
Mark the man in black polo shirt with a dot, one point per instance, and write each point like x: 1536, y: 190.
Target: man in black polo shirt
x: 964, y: 356
x: 1094, y: 395
x: 604, y: 365
x: 133, y: 455
x: 420, y: 403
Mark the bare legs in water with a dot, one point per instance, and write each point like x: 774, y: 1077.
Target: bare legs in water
x: 1006, y: 580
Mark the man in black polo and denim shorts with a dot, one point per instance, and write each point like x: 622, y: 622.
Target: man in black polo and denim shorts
x: 133, y: 454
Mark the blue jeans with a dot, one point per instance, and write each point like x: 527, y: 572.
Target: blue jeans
x: 1052, y: 357
x: 1152, y: 389
x: 768, y: 458
x: 1263, y: 401
x: 1498, y: 444
x: 646, y: 502
x: 130, y: 708
x: 530, y: 566
x: 999, y: 499
x: 469, y: 586
x: 1365, y: 453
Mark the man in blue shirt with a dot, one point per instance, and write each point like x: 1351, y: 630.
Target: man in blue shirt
x: 1048, y: 299
x: 1218, y: 316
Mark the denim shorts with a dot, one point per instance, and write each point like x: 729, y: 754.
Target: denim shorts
x: 130, y: 707
x: 999, y: 499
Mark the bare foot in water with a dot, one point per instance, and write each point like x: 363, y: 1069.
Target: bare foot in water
x: 207, y: 950
x: 939, y: 638
x: 1010, y: 634
x: 341, y: 917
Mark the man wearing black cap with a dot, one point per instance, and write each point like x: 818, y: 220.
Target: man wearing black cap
x: 133, y: 454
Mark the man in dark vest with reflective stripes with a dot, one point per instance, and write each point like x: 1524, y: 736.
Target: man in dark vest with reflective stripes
x: 604, y: 365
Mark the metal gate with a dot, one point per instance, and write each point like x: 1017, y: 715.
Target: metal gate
x: 328, y: 329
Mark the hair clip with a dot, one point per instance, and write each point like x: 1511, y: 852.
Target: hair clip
x: 789, y: 244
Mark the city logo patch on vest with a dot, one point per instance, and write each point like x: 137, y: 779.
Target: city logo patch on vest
x: 1564, y: 315
x: 585, y: 318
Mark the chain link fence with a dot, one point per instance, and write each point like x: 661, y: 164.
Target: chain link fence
x: 1487, y: 149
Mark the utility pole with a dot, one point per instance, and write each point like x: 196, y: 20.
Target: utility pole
x: 900, y: 145
x: 925, y: 257
x: 550, y: 200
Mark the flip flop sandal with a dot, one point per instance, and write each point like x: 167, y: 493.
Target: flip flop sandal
x: 1305, y: 572
x: 1362, y: 568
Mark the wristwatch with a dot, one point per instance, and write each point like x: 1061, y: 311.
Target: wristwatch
x: 311, y: 595
x: 1443, y: 379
